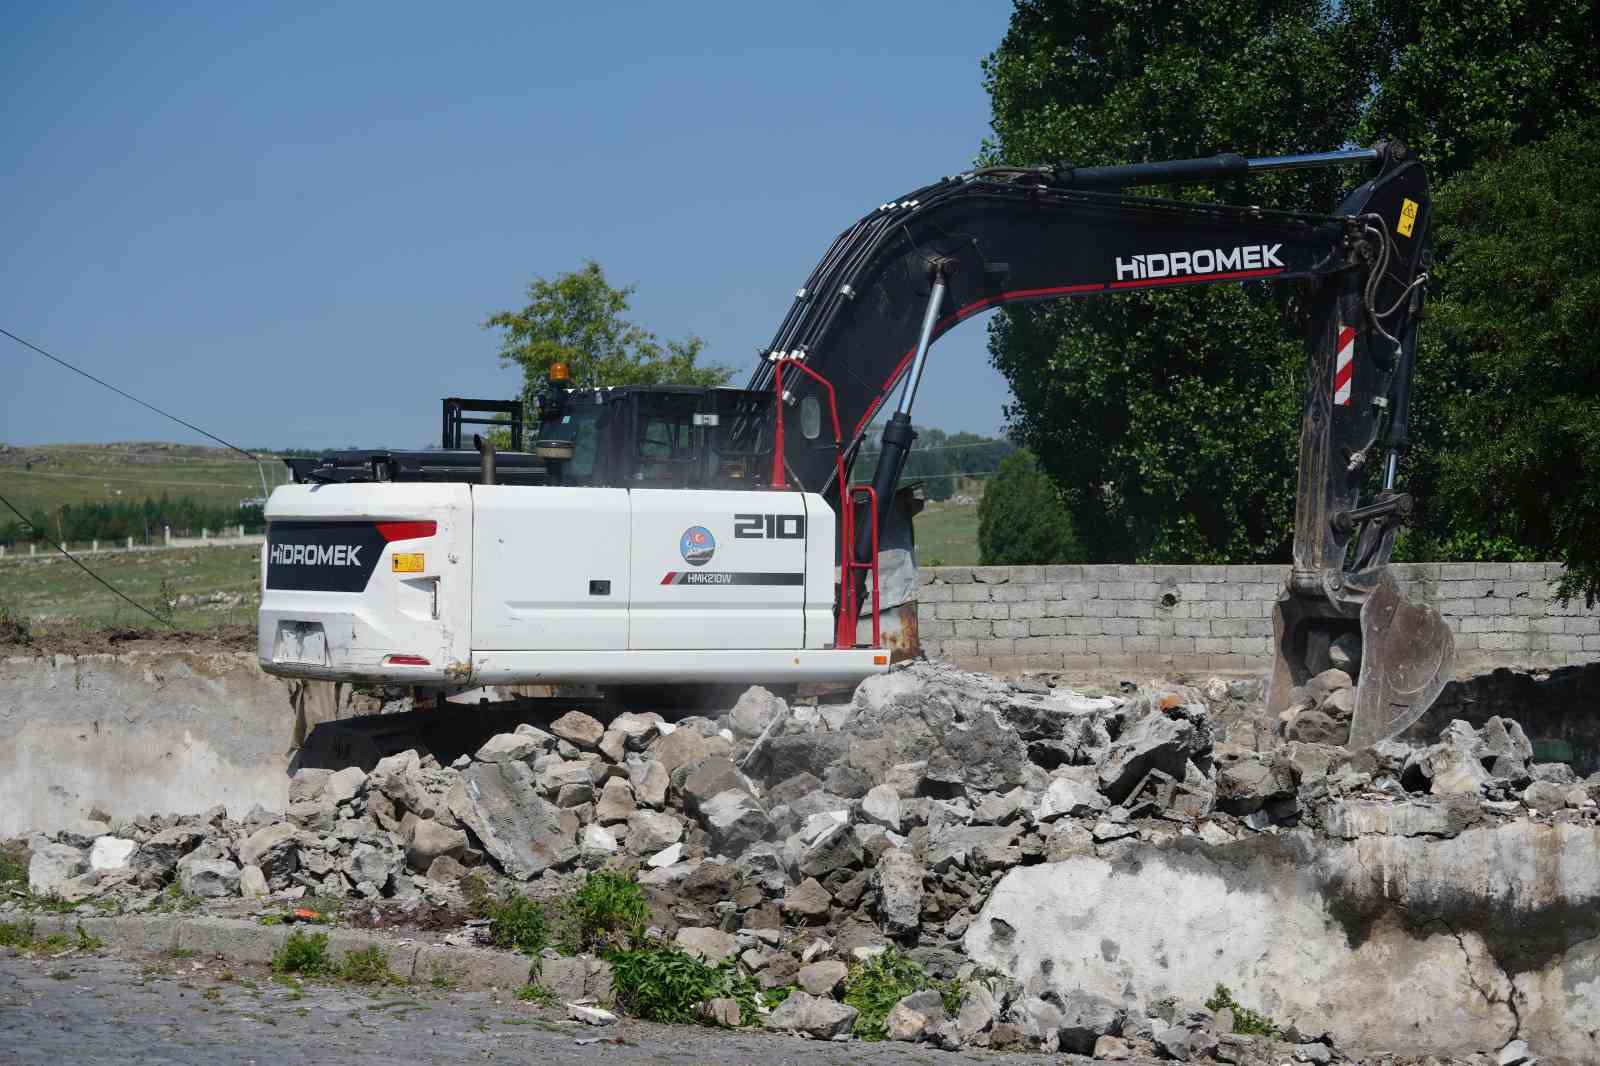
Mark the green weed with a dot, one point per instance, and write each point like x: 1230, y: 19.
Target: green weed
x: 16, y: 934
x: 303, y: 953
x: 1246, y: 1022
x: 873, y: 988
x: 14, y: 865
x: 533, y: 992
x: 664, y: 984
x: 519, y: 923
x: 773, y: 997
x: 369, y: 966
x: 608, y: 912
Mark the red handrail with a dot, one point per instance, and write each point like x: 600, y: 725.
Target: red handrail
x: 849, y: 610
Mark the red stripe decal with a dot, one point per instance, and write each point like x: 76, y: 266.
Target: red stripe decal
x: 670, y: 575
x: 1343, y: 376
x: 1347, y: 336
x: 1232, y: 275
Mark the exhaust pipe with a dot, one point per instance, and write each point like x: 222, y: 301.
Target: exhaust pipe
x: 485, y: 448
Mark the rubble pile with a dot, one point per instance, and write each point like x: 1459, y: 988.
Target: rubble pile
x: 797, y: 840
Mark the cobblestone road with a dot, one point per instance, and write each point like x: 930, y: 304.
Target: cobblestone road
x: 108, y: 1011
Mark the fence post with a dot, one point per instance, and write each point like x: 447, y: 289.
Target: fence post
x: 33, y: 549
x: 166, y: 535
x: 241, y: 530
x: 130, y: 544
x: 94, y: 545
x: 205, y: 534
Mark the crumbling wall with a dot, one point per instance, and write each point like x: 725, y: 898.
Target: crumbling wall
x: 1219, y: 618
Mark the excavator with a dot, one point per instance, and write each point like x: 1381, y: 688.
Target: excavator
x: 686, y: 535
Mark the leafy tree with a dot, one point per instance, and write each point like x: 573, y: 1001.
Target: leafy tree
x: 577, y: 318
x: 1020, y: 517
x: 1517, y: 311
x: 1171, y: 419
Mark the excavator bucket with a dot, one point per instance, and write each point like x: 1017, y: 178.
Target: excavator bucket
x: 1407, y: 654
x: 1405, y: 659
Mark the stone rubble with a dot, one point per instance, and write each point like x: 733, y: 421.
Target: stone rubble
x: 790, y: 841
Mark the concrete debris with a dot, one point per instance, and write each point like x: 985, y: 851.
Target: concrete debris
x: 818, y: 1018
x: 988, y: 829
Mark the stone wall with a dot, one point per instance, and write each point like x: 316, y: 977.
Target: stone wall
x: 1219, y: 618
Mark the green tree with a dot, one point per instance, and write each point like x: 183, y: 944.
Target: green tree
x: 1517, y: 308
x: 579, y: 319
x: 1020, y: 517
x: 1171, y: 419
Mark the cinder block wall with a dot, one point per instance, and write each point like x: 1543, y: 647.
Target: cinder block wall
x: 1219, y: 618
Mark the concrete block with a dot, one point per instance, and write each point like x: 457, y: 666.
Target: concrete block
x: 1010, y: 628
x: 933, y: 628
x: 1491, y: 570
x: 1527, y: 606
x: 1027, y: 646
x: 971, y: 593
x: 1591, y: 642
x: 1581, y: 625
x: 1509, y: 641
x: 1168, y: 572
x: 935, y: 594
x: 1227, y: 590
x: 1047, y: 627
x: 1457, y: 608
x: 1227, y: 627
x: 1474, y: 624
x: 1135, y: 609
x: 955, y: 575
x: 231, y: 938
x: 1192, y: 627
x: 472, y: 968
x: 997, y: 646
x: 992, y: 611
x: 976, y: 628
x: 1258, y: 627
x: 1063, y: 609
x: 1043, y: 590
x: 1135, y: 573
x: 1457, y: 571
x: 1026, y: 609
x: 1233, y: 663
x: 991, y: 575
x: 1177, y: 646
x: 1512, y: 623
x: 1544, y: 624
x: 1208, y: 574
x: 1081, y: 662
x: 958, y: 648
x: 1116, y: 590
x: 1209, y: 609
x: 1120, y: 627
x: 1261, y: 590
x: 1140, y: 645
x: 1247, y: 609
x: 1085, y: 627
x: 1099, y: 608
x: 1103, y: 645
x: 952, y: 612
x: 1155, y: 627
x: 1068, y: 646
x: 1008, y: 593
x: 1063, y: 573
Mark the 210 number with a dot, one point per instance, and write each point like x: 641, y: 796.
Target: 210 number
x: 769, y: 526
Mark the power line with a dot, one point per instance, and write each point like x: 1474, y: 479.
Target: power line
x: 62, y: 549
x: 127, y: 395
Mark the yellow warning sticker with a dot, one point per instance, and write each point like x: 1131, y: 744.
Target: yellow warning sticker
x: 408, y: 562
x: 1408, y: 218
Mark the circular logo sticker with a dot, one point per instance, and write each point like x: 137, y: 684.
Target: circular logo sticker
x: 697, y: 545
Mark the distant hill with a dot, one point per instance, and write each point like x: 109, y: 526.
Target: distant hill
x: 44, y: 477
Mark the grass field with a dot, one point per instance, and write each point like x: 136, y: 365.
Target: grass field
x: 947, y: 535
x: 50, y: 591
x: 48, y: 476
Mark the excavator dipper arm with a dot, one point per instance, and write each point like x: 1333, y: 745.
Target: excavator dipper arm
x: 919, y: 265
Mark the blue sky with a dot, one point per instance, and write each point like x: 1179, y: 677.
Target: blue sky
x: 287, y: 222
